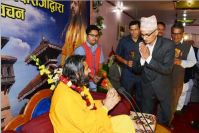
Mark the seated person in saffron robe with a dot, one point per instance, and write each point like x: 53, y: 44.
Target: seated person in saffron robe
x: 73, y: 109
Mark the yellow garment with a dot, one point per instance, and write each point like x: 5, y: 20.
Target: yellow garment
x: 69, y: 114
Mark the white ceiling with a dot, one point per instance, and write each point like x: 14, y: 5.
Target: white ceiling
x: 164, y: 10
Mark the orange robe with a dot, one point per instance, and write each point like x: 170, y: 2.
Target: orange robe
x: 69, y: 114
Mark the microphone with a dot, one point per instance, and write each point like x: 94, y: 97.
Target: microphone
x: 128, y: 97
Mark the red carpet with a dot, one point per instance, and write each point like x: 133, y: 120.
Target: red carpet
x: 182, y: 123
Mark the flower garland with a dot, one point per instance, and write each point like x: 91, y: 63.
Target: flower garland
x: 53, y: 78
x: 83, y: 91
x: 56, y: 76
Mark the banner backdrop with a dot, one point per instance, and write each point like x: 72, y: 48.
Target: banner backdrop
x: 24, y: 25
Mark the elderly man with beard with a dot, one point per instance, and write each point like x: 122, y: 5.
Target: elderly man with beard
x: 157, y: 57
x: 73, y: 109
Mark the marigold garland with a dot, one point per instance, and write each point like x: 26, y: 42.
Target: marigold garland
x: 83, y: 91
x: 56, y: 76
x: 52, y: 77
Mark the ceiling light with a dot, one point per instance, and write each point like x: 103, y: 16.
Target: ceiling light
x: 119, y: 7
x: 189, y: 4
x: 184, y: 15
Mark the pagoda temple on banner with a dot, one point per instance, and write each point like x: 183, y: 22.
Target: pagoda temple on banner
x: 47, y: 54
x: 7, y: 80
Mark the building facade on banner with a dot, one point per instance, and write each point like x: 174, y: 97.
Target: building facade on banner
x: 7, y: 80
x: 47, y: 54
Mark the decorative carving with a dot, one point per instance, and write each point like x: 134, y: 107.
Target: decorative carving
x: 100, y: 24
x: 96, y: 5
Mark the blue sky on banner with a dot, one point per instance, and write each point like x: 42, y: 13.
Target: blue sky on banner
x: 25, y: 36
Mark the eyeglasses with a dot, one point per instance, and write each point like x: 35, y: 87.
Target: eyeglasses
x: 92, y: 35
x: 148, y: 35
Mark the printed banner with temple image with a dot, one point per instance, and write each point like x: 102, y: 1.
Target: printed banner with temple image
x: 41, y: 28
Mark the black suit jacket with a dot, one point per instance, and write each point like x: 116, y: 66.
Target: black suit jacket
x: 156, y: 76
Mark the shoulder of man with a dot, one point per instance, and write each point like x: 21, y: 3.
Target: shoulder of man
x: 79, y: 50
x: 188, y: 43
x: 79, y: 47
x: 125, y: 38
x: 167, y: 42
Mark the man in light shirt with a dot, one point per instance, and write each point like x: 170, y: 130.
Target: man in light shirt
x: 94, y: 54
x: 157, y: 57
x: 184, y: 58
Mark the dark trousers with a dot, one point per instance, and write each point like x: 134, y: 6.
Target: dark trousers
x: 138, y: 95
x: 149, y: 104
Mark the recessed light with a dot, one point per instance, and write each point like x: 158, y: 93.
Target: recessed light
x: 184, y: 15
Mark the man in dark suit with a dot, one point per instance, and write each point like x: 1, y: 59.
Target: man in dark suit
x: 157, y: 57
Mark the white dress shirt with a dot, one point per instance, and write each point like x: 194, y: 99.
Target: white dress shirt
x: 150, y: 47
x: 191, y: 58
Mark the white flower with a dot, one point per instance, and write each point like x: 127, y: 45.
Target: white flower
x: 69, y: 84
